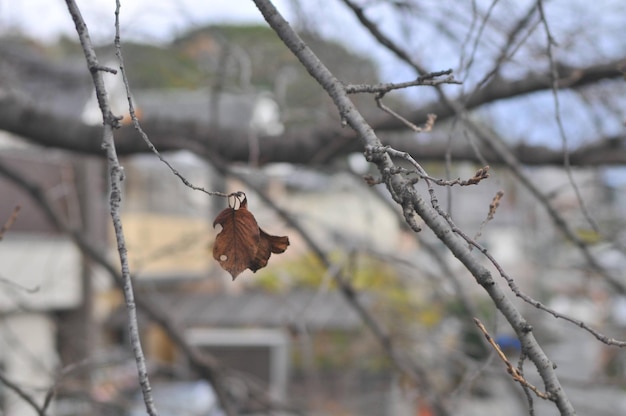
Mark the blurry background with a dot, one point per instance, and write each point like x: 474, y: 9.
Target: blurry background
x: 232, y: 109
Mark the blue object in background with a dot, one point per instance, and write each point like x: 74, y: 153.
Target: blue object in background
x: 509, y: 342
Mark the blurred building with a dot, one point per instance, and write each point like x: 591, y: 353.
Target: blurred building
x: 42, y: 272
x: 48, y: 306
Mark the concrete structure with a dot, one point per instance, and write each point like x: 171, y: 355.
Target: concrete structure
x: 40, y: 275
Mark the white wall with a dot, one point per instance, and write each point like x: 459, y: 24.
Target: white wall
x: 38, y: 273
x: 29, y: 358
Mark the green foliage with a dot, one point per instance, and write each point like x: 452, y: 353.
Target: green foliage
x: 65, y: 46
x: 588, y: 235
x: 268, y: 56
x: 308, y: 272
x: 395, y: 302
x: 303, y: 272
x: 150, y: 66
x: 237, y: 58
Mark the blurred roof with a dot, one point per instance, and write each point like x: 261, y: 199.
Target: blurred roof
x: 58, y: 87
x: 253, y: 110
x: 312, y: 310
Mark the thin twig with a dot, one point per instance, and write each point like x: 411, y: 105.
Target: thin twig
x: 514, y: 372
x: 513, y: 285
x: 479, y: 175
x: 116, y: 175
x: 501, y: 149
x: 509, y: 49
x: 23, y: 395
x: 18, y: 286
x: 477, y: 40
x: 527, y: 392
x: 554, y: 74
x: 381, y: 38
x: 493, y: 207
x: 428, y: 126
x: 427, y: 80
x: 135, y: 119
x: 10, y: 221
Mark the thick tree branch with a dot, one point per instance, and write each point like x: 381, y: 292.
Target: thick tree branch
x: 502, y: 89
x: 302, y: 146
x: 20, y: 115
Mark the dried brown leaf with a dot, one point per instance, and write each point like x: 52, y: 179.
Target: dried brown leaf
x: 242, y: 244
x: 268, y: 244
x: 236, y: 245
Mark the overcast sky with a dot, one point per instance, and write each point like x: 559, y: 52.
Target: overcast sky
x: 150, y: 20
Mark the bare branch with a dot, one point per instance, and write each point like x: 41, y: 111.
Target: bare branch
x: 133, y: 114
x: 303, y: 145
x: 403, y: 192
x: 511, y: 282
x: 10, y: 221
x: 559, y: 121
x: 516, y: 290
x: 428, y: 126
x: 498, y: 145
x: 481, y: 174
x: 509, y: 48
x: 481, y: 29
x: 428, y: 79
x: 116, y: 175
x: 514, y: 372
x: 493, y: 207
x: 41, y: 411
